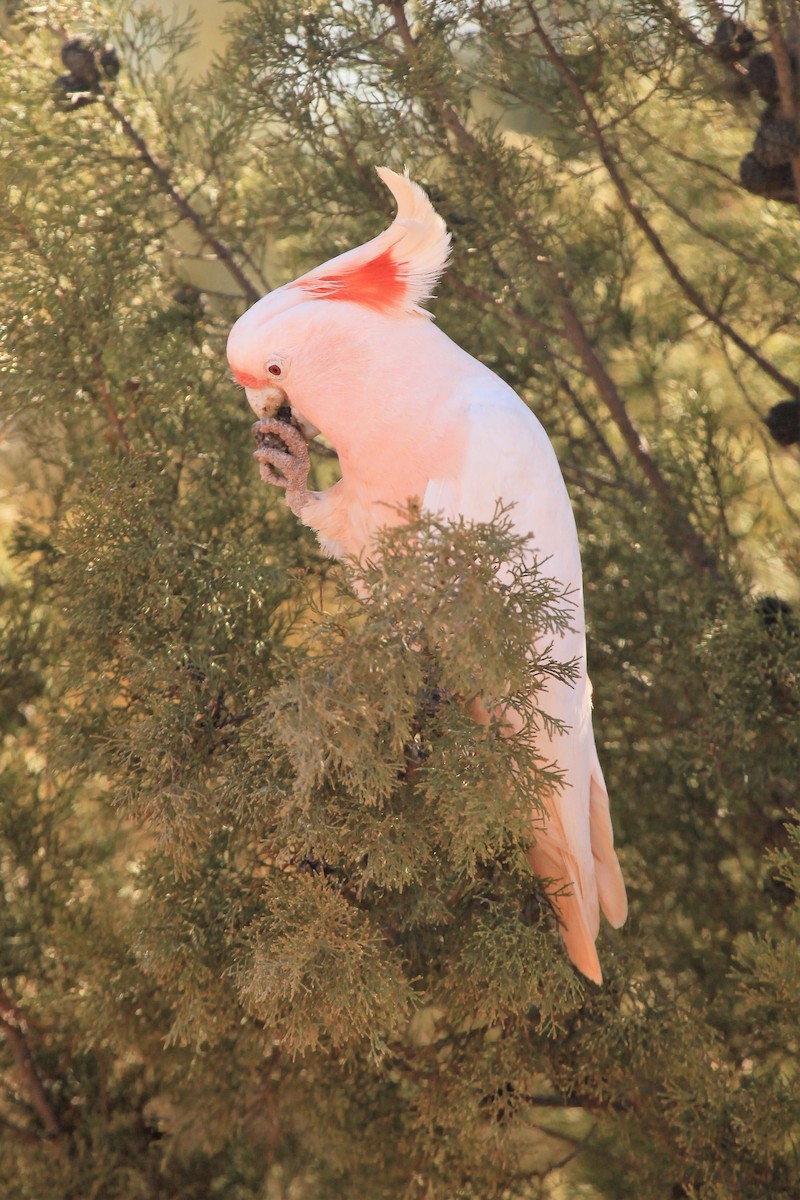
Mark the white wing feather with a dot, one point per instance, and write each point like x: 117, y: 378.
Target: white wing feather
x: 508, y: 456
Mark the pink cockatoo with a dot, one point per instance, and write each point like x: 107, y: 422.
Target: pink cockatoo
x: 348, y: 350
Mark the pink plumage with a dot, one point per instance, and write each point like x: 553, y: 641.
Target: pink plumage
x: 411, y: 414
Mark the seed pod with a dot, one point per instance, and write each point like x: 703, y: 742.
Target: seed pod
x: 777, y: 138
x: 775, y: 613
x: 67, y: 84
x: 783, y: 422
x: 189, y: 300
x: 763, y: 75
x: 78, y: 58
x: 109, y: 61
x: 776, y: 183
x: 733, y: 41
x: 70, y: 93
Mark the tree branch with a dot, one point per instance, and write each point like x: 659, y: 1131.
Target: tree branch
x: 596, y: 431
x: 786, y: 83
x: 574, y: 330
x: 673, y: 270
x: 446, y: 111
x: 187, y: 211
x: 108, y: 405
x: 18, y: 1133
x: 693, y: 544
x: 12, y: 1026
x: 751, y: 259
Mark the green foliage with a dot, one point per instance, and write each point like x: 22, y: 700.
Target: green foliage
x: 320, y: 973
x: 269, y: 930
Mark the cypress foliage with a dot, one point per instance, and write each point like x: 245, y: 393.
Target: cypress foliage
x: 268, y: 926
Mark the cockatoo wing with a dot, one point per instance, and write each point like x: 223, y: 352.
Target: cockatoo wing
x: 504, y: 454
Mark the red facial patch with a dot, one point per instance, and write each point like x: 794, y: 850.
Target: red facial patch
x: 248, y: 381
x: 378, y: 283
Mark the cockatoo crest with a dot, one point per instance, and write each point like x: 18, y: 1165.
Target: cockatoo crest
x: 395, y: 272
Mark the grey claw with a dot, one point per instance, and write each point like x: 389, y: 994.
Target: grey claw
x: 282, y: 455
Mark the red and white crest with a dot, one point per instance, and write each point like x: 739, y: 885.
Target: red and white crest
x: 395, y: 272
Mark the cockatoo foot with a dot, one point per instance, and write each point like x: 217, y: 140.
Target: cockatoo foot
x: 282, y: 457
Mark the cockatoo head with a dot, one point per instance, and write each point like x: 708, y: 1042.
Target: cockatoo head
x: 312, y: 345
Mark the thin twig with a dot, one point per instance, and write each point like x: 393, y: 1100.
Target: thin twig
x: 445, y: 109
x: 693, y: 544
x: 223, y: 253
x: 18, y: 1133
x: 751, y: 259
x: 673, y: 270
x: 574, y: 330
x: 501, y: 303
x: 595, y: 429
x: 108, y: 405
x: 12, y: 1026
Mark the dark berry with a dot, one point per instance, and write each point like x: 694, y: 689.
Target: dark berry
x: 776, y: 183
x: 773, y: 612
x: 70, y: 93
x: 763, y: 75
x: 733, y: 41
x: 78, y: 58
x: 777, y: 138
x: 783, y: 422
x: 109, y: 61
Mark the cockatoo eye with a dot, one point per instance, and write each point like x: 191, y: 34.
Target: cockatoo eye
x: 276, y: 367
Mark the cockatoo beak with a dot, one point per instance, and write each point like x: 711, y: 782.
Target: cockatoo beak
x: 268, y: 402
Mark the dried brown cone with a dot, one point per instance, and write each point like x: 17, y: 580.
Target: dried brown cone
x: 733, y: 41
x: 78, y: 57
x: 70, y: 93
x: 777, y: 138
x: 109, y: 61
x: 775, y: 183
x: 783, y: 422
x: 763, y: 76
x: 775, y: 613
